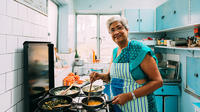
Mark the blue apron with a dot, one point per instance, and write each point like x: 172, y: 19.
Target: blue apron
x: 123, y: 82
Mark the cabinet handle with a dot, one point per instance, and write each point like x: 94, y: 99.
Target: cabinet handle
x: 137, y: 20
x: 162, y: 89
x: 162, y: 17
x: 196, y: 75
x: 140, y: 20
x: 174, y: 11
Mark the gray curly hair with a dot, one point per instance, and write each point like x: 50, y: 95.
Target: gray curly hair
x: 113, y: 19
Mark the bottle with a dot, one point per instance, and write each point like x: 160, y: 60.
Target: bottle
x: 93, y: 56
x: 76, y: 54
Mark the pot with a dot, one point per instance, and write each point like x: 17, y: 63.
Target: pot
x: 85, y: 105
x: 98, y: 90
x: 54, y: 91
x: 47, y: 105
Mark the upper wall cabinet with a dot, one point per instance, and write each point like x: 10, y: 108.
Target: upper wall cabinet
x: 195, y: 11
x: 140, y: 20
x: 172, y: 14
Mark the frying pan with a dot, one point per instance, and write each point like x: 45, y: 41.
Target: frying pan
x: 54, y: 98
x: 54, y: 90
x: 85, y: 105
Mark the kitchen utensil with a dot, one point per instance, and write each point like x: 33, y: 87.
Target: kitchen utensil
x: 90, y: 90
x: 73, y: 95
x: 61, y: 105
x: 55, y: 109
x: 64, y: 92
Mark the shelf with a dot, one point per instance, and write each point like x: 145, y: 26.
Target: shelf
x: 130, y: 32
x: 178, y: 28
x: 179, y: 48
x: 167, y: 30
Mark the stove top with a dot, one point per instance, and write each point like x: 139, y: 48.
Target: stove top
x: 77, y: 106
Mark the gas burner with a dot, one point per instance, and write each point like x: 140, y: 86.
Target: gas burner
x: 77, y: 105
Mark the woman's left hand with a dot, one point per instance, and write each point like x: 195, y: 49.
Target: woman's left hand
x: 122, y: 98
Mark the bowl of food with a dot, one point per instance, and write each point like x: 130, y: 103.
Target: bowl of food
x: 55, y: 104
x: 72, y: 92
x: 96, y: 90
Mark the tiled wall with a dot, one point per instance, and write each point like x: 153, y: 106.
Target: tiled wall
x: 18, y: 23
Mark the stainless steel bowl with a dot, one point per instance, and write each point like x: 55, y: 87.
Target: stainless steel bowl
x: 95, y: 91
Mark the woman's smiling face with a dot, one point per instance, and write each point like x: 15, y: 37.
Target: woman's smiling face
x: 118, y: 32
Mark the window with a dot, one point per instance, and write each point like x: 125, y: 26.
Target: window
x: 92, y: 35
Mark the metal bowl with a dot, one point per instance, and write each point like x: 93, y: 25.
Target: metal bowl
x: 96, y: 90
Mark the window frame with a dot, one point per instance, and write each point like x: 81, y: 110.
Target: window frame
x: 98, y: 27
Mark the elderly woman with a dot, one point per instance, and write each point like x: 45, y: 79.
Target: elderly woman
x: 133, y: 74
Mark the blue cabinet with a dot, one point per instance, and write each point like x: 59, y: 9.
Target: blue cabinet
x: 172, y: 14
x: 195, y: 11
x: 140, y: 20
x: 132, y: 15
x: 167, y: 98
x: 159, y: 103
x: 193, y: 74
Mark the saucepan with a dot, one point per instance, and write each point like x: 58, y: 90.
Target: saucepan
x: 94, y: 103
x: 72, y: 92
x: 96, y: 90
x: 55, y: 104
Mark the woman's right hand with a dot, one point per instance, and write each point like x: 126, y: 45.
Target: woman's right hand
x: 95, y: 76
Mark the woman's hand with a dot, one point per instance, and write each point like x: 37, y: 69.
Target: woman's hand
x: 95, y: 76
x: 122, y: 98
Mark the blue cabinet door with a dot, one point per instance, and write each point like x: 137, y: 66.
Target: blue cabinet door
x: 179, y: 13
x: 193, y: 74
x: 170, y: 103
x: 159, y: 20
x: 146, y: 20
x: 195, y: 11
x: 159, y: 103
x: 132, y: 15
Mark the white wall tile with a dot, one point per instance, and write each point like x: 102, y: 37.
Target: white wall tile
x: 22, y: 12
x: 5, y: 63
x: 2, y: 83
x: 17, y: 27
x: 5, y: 101
x: 20, y: 75
x: 20, y: 42
x: 16, y: 95
x: 8, y: 25
x: 3, y: 7
x: 2, y: 44
x: 12, y: 9
x: 26, y: 29
x: 18, y: 60
x: 12, y: 109
x: 11, y: 80
x: 20, y: 106
x: 11, y: 45
x: 5, y: 23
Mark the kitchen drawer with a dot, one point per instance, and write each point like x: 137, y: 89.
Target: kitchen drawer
x: 168, y: 90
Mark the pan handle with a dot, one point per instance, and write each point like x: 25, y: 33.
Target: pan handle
x: 109, y: 101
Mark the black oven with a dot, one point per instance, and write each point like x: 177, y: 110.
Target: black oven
x: 38, y: 72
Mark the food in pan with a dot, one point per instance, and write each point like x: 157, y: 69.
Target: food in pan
x: 95, y: 88
x: 50, y: 105
x: 93, y: 103
x: 69, y: 92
